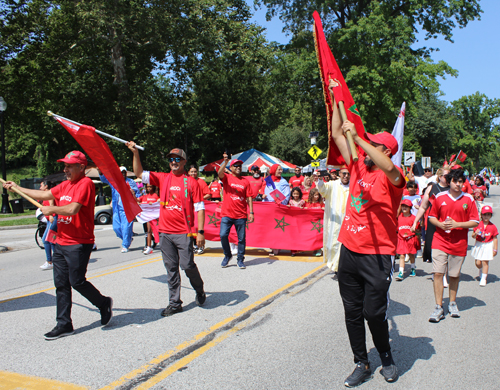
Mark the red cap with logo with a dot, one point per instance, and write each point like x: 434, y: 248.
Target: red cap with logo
x: 486, y: 210
x: 74, y: 157
x: 406, y: 202
x: 386, y: 139
x: 235, y: 161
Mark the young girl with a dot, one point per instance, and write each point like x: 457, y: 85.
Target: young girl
x: 296, y: 198
x: 315, y: 200
x: 486, y: 243
x: 408, y: 242
x: 150, y: 198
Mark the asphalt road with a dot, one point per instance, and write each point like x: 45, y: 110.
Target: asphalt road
x: 278, y: 324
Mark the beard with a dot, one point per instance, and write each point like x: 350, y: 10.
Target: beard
x: 297, y: 174
x: 256, y: 175
x: 368, y: 162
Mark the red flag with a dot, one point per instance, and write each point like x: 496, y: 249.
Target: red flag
x: 445, y: 163
x: 451, y: 158
x: 100, y: 154
x: 329, y: 69
x: 461, y: 156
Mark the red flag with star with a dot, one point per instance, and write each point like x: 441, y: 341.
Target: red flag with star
x: 329, y: 70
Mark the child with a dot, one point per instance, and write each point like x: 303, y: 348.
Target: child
x: 415, y: 199
x: 486, y: 243
x: 150, y: 198
x: 296, y: 198
x: 315, y: 200
x: 408, y: 242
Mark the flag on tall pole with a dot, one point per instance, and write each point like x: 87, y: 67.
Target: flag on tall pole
x: 461, y: 156
x: 329, y: 70
x: 100, y: 154
x: 398, y: 133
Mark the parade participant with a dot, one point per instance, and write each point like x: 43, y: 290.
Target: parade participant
x: 413, y: 197
x: 121, y: 226
x: 296, y: 198
x: 276, y: 182
x: 180, y: 198
x: 453, y: 213
x: 486, y: 235
x: 306, y: 187
x: 51, y: 221
x: 149, y: 197
x: 422, y: 181
x: 333, y: 174
x: 75, y: 238
x: 315, y: 200
x: 193, y: 172
x: 335, y: 194
x: 479, y: 189
x: 297, y: 180
x: 368, y: 236
x: 256, y: 181
x: 237, y: 200
x: 408, y: 241
x: 215, y: 190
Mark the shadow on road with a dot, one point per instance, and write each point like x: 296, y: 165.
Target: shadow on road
x: 30, y: 302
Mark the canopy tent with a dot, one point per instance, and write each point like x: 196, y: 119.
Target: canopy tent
x: 251, y: 157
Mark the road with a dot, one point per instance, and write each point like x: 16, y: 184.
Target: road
x: 278, y: 324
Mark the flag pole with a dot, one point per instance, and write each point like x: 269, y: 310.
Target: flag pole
x: 343, y: 115
x: 50, y: 113
x: 27, y: 197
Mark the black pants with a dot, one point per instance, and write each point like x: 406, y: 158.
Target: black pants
x: 364, y: 282
x: 70, y: 266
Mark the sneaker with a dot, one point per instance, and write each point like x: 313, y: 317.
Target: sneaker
x: 445, y: 282
x: 124, y: 250
x: 390, y: 373
x: 170, y: 310
x: 453, y: 310
x: 148, y: 251
x: 201, y: 250
x: 46, y: 266
x: 106, y: 311
x: 419, y: 253
x: 413, y: 272
x: 201, y: 298
x: 241, y: 265
x: 225, y: 262
x: 482, y: 283
x: 318, y: 253
x: 359, y: 375
x: 59, y: 331
x: 437, y: 315
x: 400, y: 276
x: 94, y: 248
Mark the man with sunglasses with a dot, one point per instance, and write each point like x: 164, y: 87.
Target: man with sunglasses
x: 237, y: 200
x: 180, y: 198
x: 422, y: 181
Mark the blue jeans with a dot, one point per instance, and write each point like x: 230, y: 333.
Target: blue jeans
x: 49, y: 247
x: 240, y: 226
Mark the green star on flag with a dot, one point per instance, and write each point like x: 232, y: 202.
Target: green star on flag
x: 213, y: 220
x: 354, y: 110
x: 317, y: 226
x: 281, y: 224
x: 357, y: 203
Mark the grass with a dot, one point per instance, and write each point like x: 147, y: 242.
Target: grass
x: 20, y: 222
x: 26, y: 214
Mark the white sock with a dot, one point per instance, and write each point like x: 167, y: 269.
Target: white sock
x: 484, y: 276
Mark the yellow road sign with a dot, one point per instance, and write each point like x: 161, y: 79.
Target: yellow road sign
x: 314, y: 152
x: 315, y: 164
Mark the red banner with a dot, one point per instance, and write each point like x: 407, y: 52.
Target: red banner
x: 275, y: 226
x: 100, y: 154
x: 329, y: 70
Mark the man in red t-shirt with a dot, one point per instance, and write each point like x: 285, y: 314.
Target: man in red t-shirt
x: 368, y: 236
x: 180, y: 198
x: 237, y: 199
x: 453, y: 213
x: 297, y: 180
x: 256, y: 181
x: 215, y: 188
x: 75, y: 238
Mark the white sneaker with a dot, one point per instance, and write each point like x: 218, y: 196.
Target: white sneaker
x: 419, y: 253
x: 46, y: 266
x: 482, y: 283
x: 445, y: 282
x: 124, y: 250
x: 148, y: 251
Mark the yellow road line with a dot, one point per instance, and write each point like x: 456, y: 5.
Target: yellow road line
x: 14, y: 381
x: 135, y: 373
x: 211, y: 252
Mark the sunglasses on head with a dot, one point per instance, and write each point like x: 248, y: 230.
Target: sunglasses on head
x: 176, y: 159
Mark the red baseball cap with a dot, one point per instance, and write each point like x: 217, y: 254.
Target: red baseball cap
x: 386, y: 139
x: 406, y: 202
x: 456, y: 166
x: 74, y: 157
x: 235, y: 161
x: 486, y: 210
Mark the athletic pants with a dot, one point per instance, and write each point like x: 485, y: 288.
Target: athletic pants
x: 364, y: 282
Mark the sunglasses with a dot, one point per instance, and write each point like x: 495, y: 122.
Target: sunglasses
x: 344, y: 173
x: 176, y: 159
x: 237, y: 165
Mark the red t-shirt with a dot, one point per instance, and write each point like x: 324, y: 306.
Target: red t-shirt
x: 215, y: 189
x: 478, y: 195
x: 148, y: 198
x: 466, y: 187
x: 462, y: 209
x: 296, y: 181
x: 172, y: 219
x: 236, y: 192
x: 203, y: 187
x: 78, y: 228
x: 486, y: 234
x: 305, y: 193
x: 317, y: 205
x: 370, y: 222
x: 404, y: 225
x: 255, y: 185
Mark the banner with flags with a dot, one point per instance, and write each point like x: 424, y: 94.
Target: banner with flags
x: 275, y: 226
x: 99, y: 152
x: 329, y: 70
x: 398, y: 132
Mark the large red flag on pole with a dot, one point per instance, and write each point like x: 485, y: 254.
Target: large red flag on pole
x: 100, y: 154
x: 329, y: 70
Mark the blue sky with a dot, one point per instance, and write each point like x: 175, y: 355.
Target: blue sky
x: 475, y: 52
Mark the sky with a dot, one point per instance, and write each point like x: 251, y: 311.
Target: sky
x: 475, y: 52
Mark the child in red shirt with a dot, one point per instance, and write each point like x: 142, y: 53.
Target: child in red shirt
x: 486, y: 243
x: 408, y: 242
x: 149, y: 198
x: 315, y: 200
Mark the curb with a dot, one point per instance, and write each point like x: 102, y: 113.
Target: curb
x: 18, y: 227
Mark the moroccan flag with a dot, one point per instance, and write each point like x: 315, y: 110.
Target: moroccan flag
x: 461, y: 156
x: 452, y: 158
x: 100, y: 154
x: 329, y: 70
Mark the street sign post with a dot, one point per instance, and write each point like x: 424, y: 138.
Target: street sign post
x: 314, y: 152
x: 426, y: 162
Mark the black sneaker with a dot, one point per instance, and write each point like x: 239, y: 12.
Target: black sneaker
x: 390, y: 373
x: 59, y: 331
x: 201, y: 298
x: 359, y: 375
x: 106, y: 311
x: 170, y: 310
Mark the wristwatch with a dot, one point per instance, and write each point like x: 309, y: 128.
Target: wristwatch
x: 201, y: 231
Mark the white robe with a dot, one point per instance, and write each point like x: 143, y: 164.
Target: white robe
x: 336, y: 195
